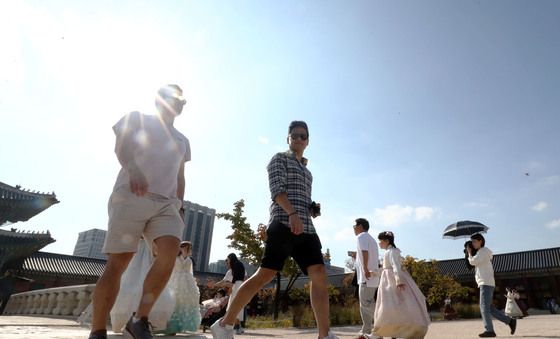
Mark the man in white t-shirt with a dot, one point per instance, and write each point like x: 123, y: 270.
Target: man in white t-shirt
x: 367, y: 270
x: 146, y: 202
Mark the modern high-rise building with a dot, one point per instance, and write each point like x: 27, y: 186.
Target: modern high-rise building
x: 199, y: 226
x: 90, y: 243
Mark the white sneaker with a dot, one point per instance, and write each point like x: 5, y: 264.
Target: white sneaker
x: 331, y: 335
x: 221, y: 332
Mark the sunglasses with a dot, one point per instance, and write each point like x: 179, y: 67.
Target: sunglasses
x: 296, y: 136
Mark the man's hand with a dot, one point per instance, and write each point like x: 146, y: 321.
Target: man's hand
x: 312, y: 211
x: 295, y: 224
x: 137, y: 180
x: 367, y: 274
x: 401, y: 286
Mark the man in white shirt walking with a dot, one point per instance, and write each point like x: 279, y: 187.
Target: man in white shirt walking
x: 367, y: 270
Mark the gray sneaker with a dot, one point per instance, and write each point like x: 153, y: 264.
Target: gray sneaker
x: 140, y: 329
x: 221, y: 332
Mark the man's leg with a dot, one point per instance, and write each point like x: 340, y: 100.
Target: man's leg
x: 367, y: 307
x: 246, y: 292
x: 107, y: 288
x: 319, y: 297
x: 159, y: 273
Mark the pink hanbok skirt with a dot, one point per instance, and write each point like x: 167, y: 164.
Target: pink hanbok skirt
x: 400, y: 313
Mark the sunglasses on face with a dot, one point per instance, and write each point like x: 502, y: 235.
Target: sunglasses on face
x: 296, y: 136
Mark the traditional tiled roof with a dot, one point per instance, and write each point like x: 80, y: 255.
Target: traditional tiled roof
x: 535, y: 262
x: 17, y: 204
x: 16, y: 245
x: 62, y: 265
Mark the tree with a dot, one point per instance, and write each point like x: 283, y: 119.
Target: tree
x: 249, y: 243
x: 434, y: 285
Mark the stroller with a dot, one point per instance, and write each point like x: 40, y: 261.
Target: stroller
x: 213, y: 309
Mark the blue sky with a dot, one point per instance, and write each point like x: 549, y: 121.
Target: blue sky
x: 420, y: 113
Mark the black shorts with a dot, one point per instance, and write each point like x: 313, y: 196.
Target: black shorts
x: 281, y: 243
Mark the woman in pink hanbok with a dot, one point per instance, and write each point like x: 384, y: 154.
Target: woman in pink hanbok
x: 400, y: 310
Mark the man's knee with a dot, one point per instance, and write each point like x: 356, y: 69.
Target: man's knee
x: 317, y: 275
x: 166, y: 246
x: 117, y: 263
x: 263, y: 275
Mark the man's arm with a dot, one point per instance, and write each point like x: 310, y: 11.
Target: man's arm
x: 365, y: 256
x: 124, y: 149
x: 293, y: 219
x: 181, y: 183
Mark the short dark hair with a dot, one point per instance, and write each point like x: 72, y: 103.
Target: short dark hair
x: 364, y: 223
x: 164, y: 91
x: 296, y: 124
x: 479, y: 237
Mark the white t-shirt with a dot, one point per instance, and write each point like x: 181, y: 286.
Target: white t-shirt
x: 159, y: 151
x: 484, y: 274
x: 367, y: 243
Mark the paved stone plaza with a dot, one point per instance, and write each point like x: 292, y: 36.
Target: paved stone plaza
x: 537, y: 326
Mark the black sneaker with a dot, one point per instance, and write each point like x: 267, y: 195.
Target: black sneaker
x: 140, y: 329
x: 487, y: 334
x: 512, y: 325
x: 97, y: 336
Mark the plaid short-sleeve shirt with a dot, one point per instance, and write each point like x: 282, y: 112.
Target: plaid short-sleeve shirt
x: 287, y: 174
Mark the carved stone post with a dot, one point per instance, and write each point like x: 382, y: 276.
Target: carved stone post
x: 52, y: 303
x: 60, y: 302
x: 44, y: 302
x: 70, y: 303
x: 84, y: 298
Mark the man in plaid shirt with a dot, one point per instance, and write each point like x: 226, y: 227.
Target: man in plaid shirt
x: 290, y: 232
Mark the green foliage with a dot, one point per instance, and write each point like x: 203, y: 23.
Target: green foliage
x: 249, y: 243
x: 467, y: 311
x: 345, y: 315
x: 434, y: 285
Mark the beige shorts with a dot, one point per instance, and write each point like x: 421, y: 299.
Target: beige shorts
x: 131, y: 217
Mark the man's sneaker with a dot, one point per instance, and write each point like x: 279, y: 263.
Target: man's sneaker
x: 487, y: 334
x: 239, y: 330
x: 331, y: 335
x: 221, y: 332
x: 97, y: 336
x: 139, y: 329
x: 513, y: 325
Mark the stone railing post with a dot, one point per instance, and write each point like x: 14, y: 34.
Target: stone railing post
x: 36, y: 304
x: 70, y: 304
x: 84, y: 298
x: 52, y: 303
x: 44, y: 302
x: 60, y: 303
x: 28, y: 304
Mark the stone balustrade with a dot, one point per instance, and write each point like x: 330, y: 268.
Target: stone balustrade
x: 66, y: 301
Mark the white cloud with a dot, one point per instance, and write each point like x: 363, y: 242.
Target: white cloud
x: 423, y: 213
x: 540, y: 206
x: 553, y: 224
x: 264, y: 140
x: 395, y: 215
